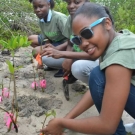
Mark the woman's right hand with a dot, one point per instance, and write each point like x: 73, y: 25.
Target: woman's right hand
x: 51, y: 52
x: 54, y: 127
x: 66, y: 65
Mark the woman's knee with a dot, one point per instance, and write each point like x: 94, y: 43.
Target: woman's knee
x: 75, y: 68
x: 52, y: 62
x: 79, y: 68
x: 34, y: 40
x: 97, y: 81
x: 47, y: 61
x: 97, y: 76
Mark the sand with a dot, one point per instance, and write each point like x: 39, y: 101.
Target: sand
x: 34, y: 103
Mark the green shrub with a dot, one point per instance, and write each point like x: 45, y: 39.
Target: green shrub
x: 17, y: 17
x: 123, y: 12
x: 61, y: 6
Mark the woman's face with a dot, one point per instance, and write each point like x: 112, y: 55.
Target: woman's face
x: 41, y: 8
x: 73, y: 5
x: 96, y: 45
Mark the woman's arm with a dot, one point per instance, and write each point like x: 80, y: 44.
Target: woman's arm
x: 115, y: 96
x: 75, y: 55
x: 68, y: 53
x: 51, y: 52
x: 62, y: 47
x: 69, y: 47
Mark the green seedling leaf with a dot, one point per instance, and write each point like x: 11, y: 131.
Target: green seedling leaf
x: 4, y: 44
x: 26, y: 42
x: 21, y: 41
x: 15, y: 44
x: 10, y: 43
x: 53, y: 113
x: 48, y: 114
x: 10, y: 67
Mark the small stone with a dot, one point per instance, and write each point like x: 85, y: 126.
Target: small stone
x: 34, y: 125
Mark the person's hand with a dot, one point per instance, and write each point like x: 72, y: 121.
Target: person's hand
x: 49, y: 45
x: 51, y: 52
x: 53, y: 128
x: 66, y: 65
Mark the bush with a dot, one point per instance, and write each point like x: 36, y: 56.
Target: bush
x: 61, y: 6
x: 17, y: 16
x: 123, y: 12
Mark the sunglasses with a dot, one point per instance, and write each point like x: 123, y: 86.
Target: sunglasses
x: 86, y: 33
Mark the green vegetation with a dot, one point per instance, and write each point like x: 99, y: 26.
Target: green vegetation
x: 123, y: 12
x: 17, y: 17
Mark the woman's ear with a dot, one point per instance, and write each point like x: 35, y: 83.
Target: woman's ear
x: 108, y: 24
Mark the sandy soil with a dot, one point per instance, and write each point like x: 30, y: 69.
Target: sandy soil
x: 34, y: 103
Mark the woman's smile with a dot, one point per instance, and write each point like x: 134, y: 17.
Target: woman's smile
x: 91, y: 50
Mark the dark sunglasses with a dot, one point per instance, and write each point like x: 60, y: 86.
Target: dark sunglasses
x: 86, y: 33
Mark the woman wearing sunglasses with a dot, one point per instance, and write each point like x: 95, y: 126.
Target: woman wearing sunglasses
x: 112, y: 84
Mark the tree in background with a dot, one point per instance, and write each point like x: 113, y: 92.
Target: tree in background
x: 61, y: 6
x: 17, y: 17
x: 123, y: 12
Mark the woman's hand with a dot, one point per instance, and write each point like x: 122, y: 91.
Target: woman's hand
x: 66, y: 65
x: 51, y: 52
x: 53, y: 128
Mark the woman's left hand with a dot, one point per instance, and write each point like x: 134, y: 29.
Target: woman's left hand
x: 53, y: 128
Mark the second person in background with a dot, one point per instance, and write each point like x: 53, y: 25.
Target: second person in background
x: 51, y: 24
x: 76, y: 61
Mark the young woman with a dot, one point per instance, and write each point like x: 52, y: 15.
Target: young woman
x: 51, y: 24
x: 112, y: 85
